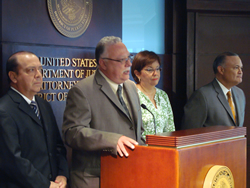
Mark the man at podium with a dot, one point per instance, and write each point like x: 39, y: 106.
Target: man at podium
x: 220, y: 102
x: 102, y: 113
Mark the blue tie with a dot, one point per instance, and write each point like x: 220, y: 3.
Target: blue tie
x: 34, y: 106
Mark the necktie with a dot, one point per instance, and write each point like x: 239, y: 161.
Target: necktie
x: 229, y: 98
x: 34, y: 106
x: 119, y: 93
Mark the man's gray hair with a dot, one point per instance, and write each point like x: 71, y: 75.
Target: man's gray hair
x: 103, y: 43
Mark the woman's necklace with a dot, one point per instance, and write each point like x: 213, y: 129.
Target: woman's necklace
x: 150, y: 93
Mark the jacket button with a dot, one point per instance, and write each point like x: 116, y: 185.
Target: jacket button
x: 50, y: 176
x: 132, y: 128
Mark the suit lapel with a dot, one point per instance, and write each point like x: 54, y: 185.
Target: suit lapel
x: 223, y: 99
x: 106, y: 89
x: 24, y: 106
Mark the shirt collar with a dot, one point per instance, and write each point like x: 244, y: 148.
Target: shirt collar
x: 25, y: 98
x: 113, y: 85
x: 224, y: 89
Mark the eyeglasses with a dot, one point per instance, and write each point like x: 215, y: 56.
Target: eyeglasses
x: 150, y: 70
x: 122, y: 61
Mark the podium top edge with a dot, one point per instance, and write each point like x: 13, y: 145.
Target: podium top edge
x: 202, y: 130
x: 194, y: 136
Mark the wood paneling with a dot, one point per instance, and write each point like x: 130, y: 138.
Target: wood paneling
x: 218, y: 5
x: 145, y: 167
x: 178, y: 51
x: 196, y: 161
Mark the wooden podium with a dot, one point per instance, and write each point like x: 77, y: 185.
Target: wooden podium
x: 180, y: 159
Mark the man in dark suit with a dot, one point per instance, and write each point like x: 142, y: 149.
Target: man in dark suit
x: 32, y: 152
x: 213, y: 104
x: 95, y: 119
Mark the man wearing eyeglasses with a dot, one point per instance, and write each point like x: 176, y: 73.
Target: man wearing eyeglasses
x: 102, y: 113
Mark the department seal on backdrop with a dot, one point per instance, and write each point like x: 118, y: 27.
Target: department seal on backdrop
x: 70, y: 17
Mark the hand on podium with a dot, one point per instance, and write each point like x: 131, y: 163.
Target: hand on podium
x: 129, y: 142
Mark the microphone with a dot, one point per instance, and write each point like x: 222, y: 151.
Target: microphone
x: 144, y: 107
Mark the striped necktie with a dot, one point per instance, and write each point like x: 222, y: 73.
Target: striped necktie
x: 34, y: 106
x: 229, y: 99
x: 119, y: 93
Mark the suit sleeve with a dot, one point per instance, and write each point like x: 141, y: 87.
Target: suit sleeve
x: 240, y: 102
x: 62, y: 164
x: 195, y: 111
x: 77, y: 132
x: 11, y: 160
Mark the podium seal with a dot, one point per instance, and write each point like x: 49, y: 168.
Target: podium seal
x: 219, y: 176
x: 70, y: 17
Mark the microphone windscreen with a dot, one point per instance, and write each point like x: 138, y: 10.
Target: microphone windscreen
x: 143, y: 106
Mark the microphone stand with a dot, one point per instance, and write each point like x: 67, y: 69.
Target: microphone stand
x: 145, y: 107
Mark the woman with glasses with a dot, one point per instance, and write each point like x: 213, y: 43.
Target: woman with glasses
x: 146, y: 73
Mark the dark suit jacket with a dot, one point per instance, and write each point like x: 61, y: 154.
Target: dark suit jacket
x: 32, y: 153
x: 94, y: 120
x: 208, y: 106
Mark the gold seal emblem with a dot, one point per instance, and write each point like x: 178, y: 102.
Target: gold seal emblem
x: 219, y: 177
x: 70, y: 17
